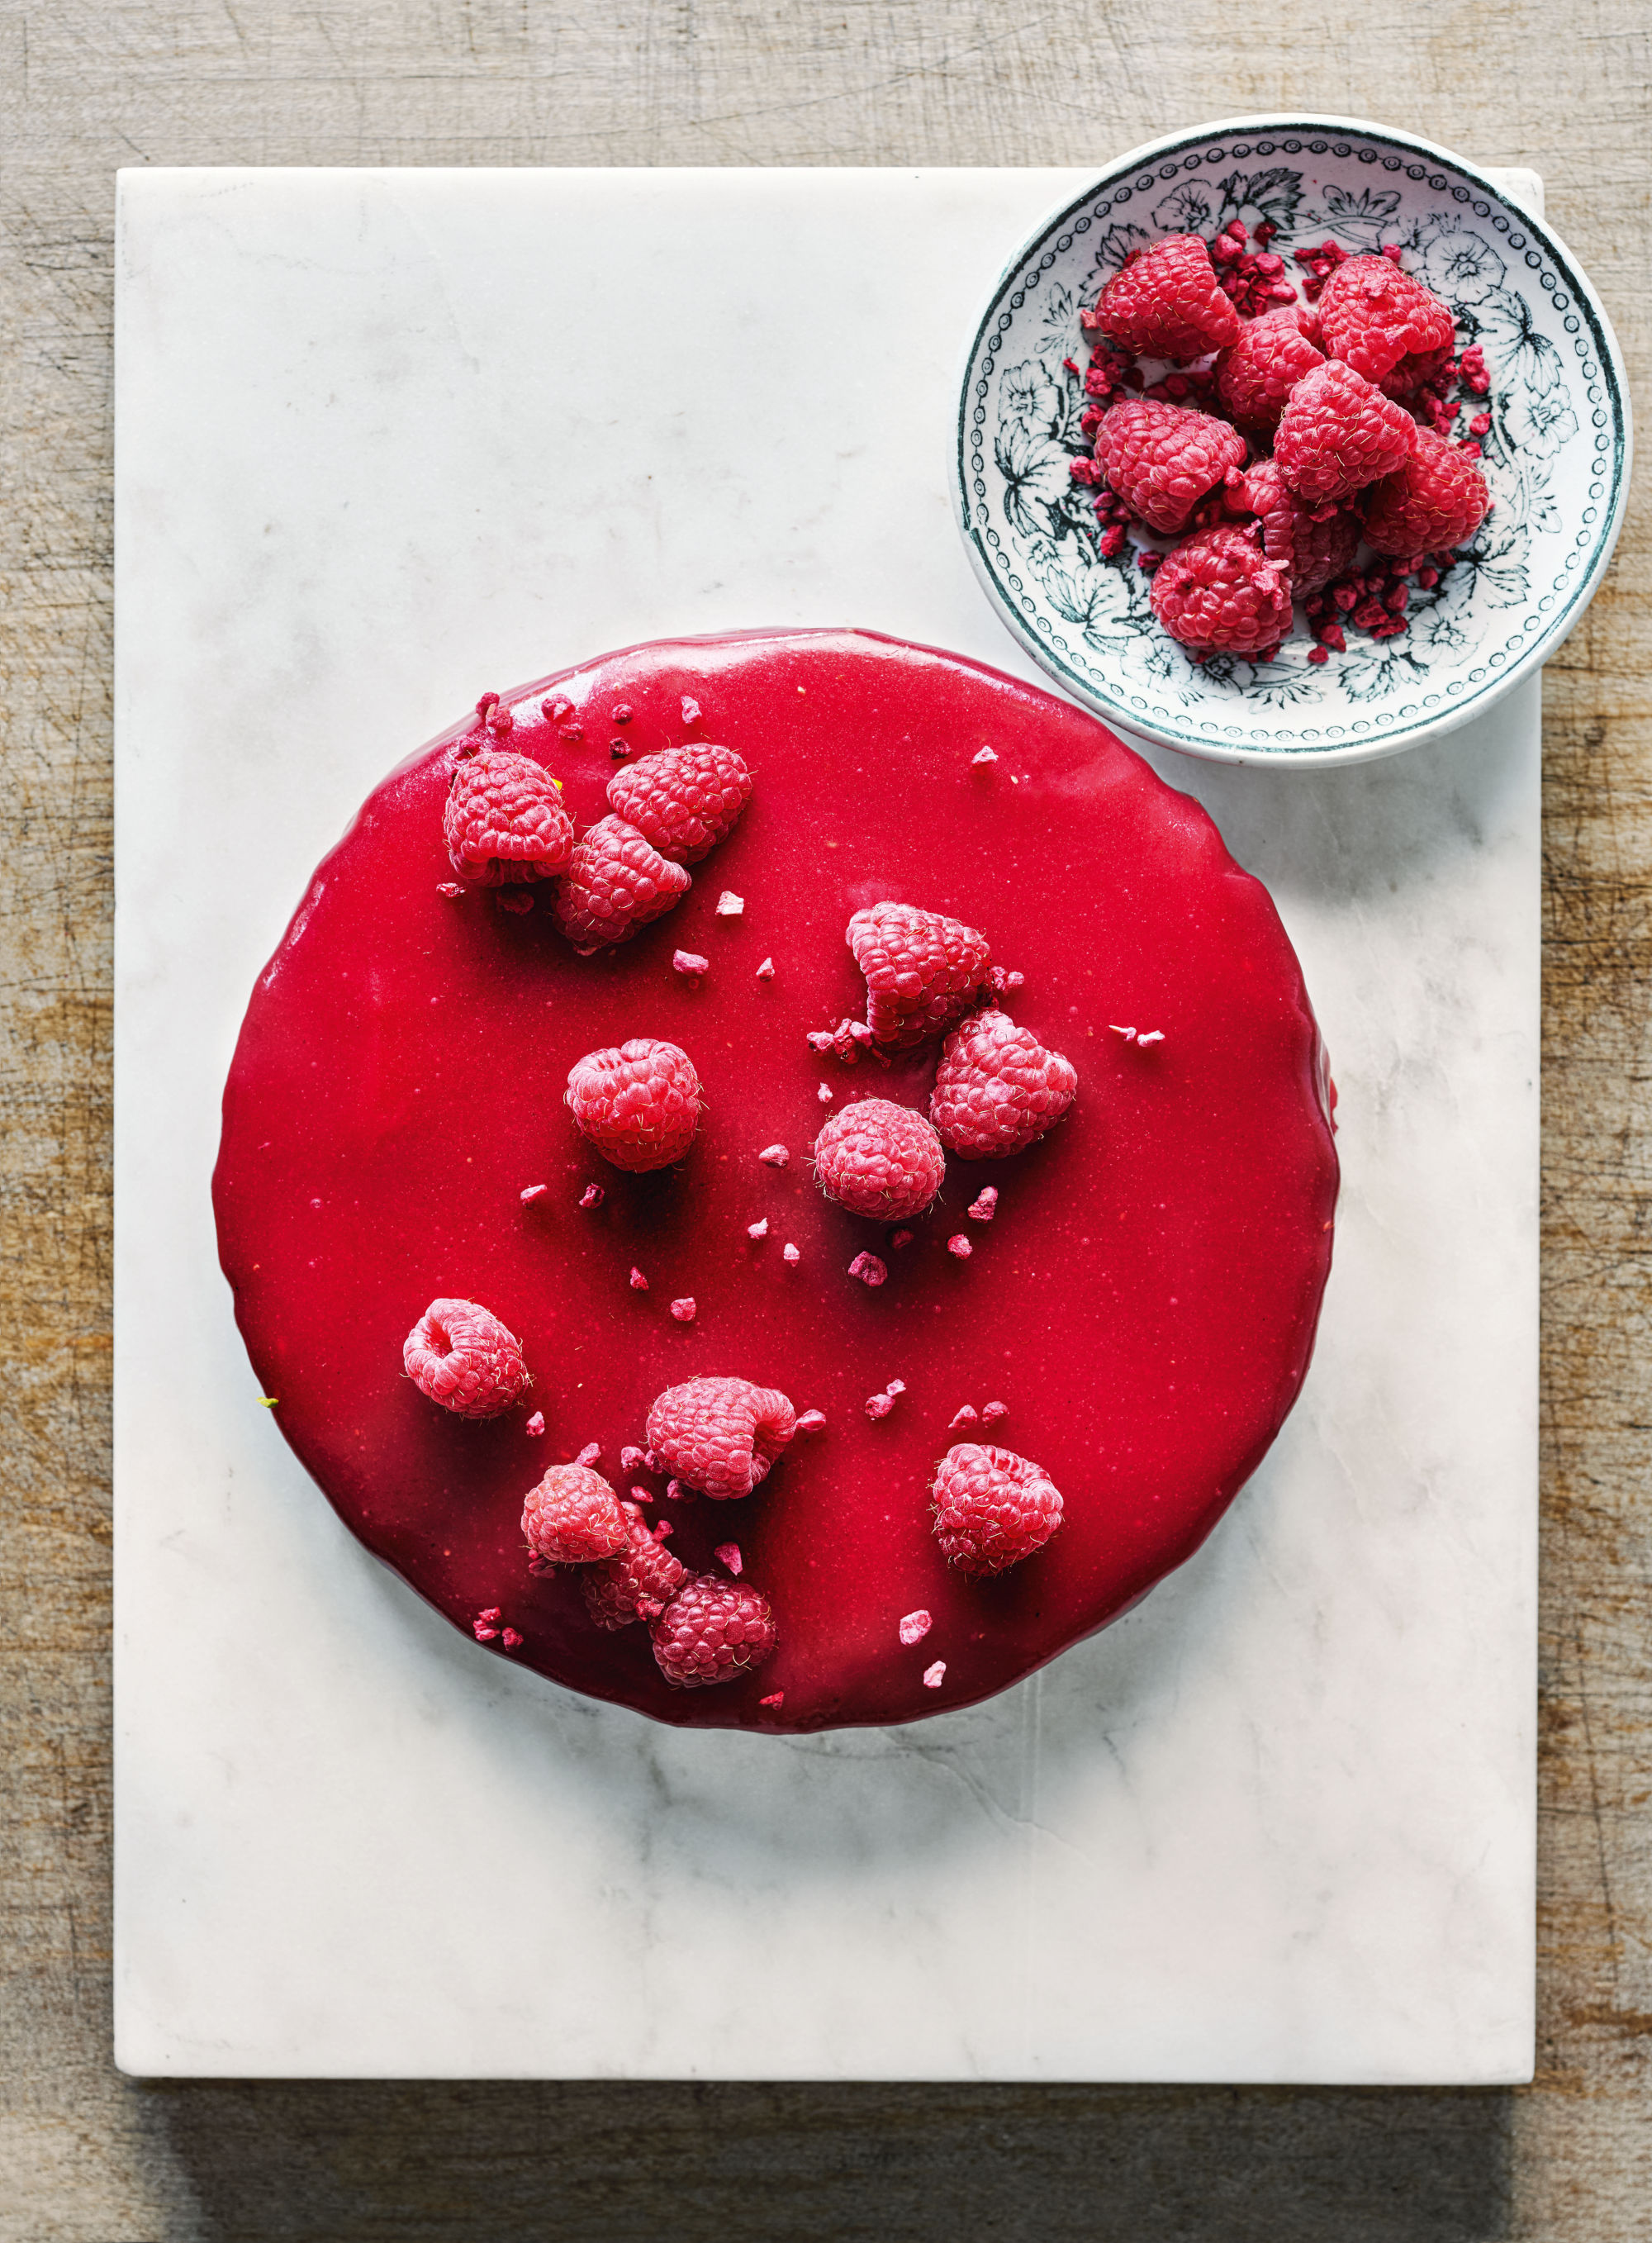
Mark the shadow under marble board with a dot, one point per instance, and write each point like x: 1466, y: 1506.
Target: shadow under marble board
x: 386, y: 438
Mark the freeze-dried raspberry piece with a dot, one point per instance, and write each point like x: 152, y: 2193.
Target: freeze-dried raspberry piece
x: 615, y: 882
x: 719, y: 1435
x: 997, y: 1090
x: 712, y: 1632
x: 635, y: 1585
x: 573, y: 1517
x: 461, y: 1355
x: 1314, y: 544
x: 1218, y: 593
x: 638, y: 1102
x: 879, y: 1159
x: 1385, y: 325
x: 991, y: 1508
x: 1166, y: 302
x: 1432, y: 503
x: 1161, y: 459
x: 1338, y: 432
x: 685, y: 800
x: 1256, y: 374
x: 504, y: 820
x: 923, y: 970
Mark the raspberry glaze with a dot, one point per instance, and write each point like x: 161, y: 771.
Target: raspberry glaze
x: 1145, y: 1300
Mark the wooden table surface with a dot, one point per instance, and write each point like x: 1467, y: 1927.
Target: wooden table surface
x: 87, y: 2156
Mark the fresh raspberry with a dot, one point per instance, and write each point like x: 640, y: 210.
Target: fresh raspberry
x: 992, y: 1507
x: 1218, y: 593
x: 685, y: 800
x: 573, y: 1517
x: 1339, y: 432
x: 462, y: 1356
x: 712, y: 1631
x: 1434, y: 502
x: 923, y: 970
x: 616, y: 882
x: 1166, y: 302
x: 1161, y: 459
x: 504, y: 820
x: 997, y: 1090
x: 638, y: 1102
x: 1386, y: 325
x: 1256, y: 374
x: 879, y: 1159
x: 719, y: 1435
x: 638, y: 1583
x: 1313, y: 543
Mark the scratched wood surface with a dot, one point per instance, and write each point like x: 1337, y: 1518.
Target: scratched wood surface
x: 87, y: 2157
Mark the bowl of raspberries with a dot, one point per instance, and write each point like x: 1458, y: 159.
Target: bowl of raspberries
x: 1292, y: 439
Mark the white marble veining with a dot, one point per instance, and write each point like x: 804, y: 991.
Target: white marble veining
x: 386, y: 438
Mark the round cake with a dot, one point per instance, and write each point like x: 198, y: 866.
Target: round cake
x: 1125, y: 1307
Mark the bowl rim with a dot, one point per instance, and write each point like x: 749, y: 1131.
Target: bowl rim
x: 1403, y: 737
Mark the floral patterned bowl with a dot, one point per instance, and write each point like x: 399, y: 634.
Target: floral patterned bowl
x: 1557, y: 456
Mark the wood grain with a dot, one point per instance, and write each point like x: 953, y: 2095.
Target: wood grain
x: 87, y: 2157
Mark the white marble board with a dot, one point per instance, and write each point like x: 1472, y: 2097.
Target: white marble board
x: 385, y: 439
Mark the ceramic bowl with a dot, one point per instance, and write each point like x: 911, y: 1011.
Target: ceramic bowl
x: 1557, y: 456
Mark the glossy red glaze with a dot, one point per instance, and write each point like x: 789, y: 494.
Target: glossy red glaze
x: 1145, y: 1301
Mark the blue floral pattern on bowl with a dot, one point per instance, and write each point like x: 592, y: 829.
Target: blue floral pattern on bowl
x: 1557, y: 456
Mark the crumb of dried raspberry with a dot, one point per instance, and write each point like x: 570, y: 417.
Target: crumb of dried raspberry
x: 573, y: 1517
x: 1162, y: 459
x: 637, y: 1583
x: 712, y: 1632
x: 879, y: 1159
x: 535, y: 1427
x: 639, y: 1282
x: 686, y: 1310
x: 691, y: 964
x: 504, y: 820
x: 923, y: 970
x: 530, y: 1193
x: 869, y: 1268
x: 684, y: 800
x: 592, y: 1196
x: 1218, y: 593
x: 983, y: 1206
x: 969, y: 1415
x: 1338, y: 432
x: 1311, y: 543
x: 451, y: 889
x: 1256, y: 374
x: 991, y: 1508
x: 993, y: 1411
x: 811, y: 1421
x: 790, y: 1254
x: 1166, y: 302
x: 1385, y: 325
x: 637, y: 1102
x: 934, y: 1676
x: 774, y: 1156
x: 461, y: 1355
x: 997, y: 1090
x: 960, y: 1246
x: 1438, y: 498
x: 721, y: 1435
x: 616, y: 881
x: 758, y: 1229
x: 914, y: 1626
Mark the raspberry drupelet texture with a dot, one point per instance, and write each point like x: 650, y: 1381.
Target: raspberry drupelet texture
x: 616, y: 881
x: 998, y: 1089
x: 1385, y: 325
x: 1256, y: 374
x: 991, y: 1508
x: 637, y: 1102
x: 879, y: 1159
x: 637, y: 1583
x: 1217, y: 593
x: 923, y: 970
x: 719, y: 1435
x: 1311, y: 543
x: 504, y: 820
x: 460, y: 1354
x: 1162, y: 459
x: 1338, y: 432
x: 684, y: 800
x: 573, y: 1517
x: 1166, y: 302
x: 712, y: 1631
x: 1436, y: 501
